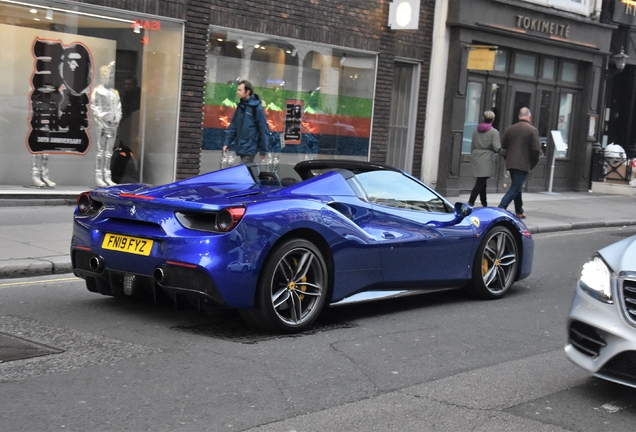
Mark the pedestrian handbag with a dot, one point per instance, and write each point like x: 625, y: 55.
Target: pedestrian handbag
x: 227, y: 158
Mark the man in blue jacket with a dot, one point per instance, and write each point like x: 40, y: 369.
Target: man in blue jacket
x: 248, y: 131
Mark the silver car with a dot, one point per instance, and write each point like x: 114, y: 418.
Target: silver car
x: 602, y: 321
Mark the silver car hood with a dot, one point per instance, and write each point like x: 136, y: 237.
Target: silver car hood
x: 621, y: 256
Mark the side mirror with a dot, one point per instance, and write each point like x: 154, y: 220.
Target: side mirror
x: 462, y: 210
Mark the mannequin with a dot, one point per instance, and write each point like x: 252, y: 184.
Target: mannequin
x: 40, y: 171
x: 106, y: 107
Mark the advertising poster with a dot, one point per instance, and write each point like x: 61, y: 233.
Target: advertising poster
x: 293, y: 115
x: 59, y: 100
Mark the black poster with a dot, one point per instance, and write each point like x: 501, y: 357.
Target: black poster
x: 293, y: 115
x: 59, y: 100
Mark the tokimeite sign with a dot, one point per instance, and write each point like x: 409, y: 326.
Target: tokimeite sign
x: 481, y: 57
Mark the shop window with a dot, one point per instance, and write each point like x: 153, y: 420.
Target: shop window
x: 313, y: 71
x: 226, y: 56
x: 501, y: 60
x: 577, y: 6
x: 318, y: 99
x: 566, y: 103
x: 547, y: 72
x: 524, y: 64
x: 272, y: 66
x: 569, y: 72
x: 473, y: 113
x: 55, y: 64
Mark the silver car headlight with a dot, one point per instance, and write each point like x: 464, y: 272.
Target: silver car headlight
x: 596, y: 280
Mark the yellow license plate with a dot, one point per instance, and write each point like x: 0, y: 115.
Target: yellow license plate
x: 122, y: 243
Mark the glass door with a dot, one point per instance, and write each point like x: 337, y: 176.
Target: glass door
x: 521, y: 95
x: 472, y: 117
x: 403, y: 115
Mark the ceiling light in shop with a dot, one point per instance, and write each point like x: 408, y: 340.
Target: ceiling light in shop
x: 257, y: 46
x: 49, y: 14
x: 239, y: 45
x: 33, y: 11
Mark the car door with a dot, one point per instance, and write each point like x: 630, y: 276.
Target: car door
x: 422, y: 241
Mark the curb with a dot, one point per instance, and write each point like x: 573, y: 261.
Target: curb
x: 19, y: 268
x: 579, y: 225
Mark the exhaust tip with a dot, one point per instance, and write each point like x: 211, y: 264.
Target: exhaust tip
x: 159, y: 275
x: 96, y: 264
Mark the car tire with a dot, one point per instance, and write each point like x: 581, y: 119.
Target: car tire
x: 292, y: 288
x: 495, y: 265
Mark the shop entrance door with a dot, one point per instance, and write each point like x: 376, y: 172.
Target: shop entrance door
x: 404, y: 100
x: 542, y: 118
x: 521, y: 95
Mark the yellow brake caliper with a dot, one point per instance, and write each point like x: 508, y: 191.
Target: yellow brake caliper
x: 484, y: 266
x: 302, y: 287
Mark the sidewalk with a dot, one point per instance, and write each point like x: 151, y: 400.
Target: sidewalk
x: 33, y: 250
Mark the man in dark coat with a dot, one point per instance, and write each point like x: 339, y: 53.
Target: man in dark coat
x: 522, y: 145
x: 248, y: 131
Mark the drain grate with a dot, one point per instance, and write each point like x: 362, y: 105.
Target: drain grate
x: 232, y: 328
x: 15, y: 348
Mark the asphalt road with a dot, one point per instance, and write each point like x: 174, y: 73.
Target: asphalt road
x: 26, y: 215
x: 434, y: 362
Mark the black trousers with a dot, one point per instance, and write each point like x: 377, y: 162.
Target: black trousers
x: 479, y: 189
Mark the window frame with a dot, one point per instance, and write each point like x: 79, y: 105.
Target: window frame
x: 581, y: 7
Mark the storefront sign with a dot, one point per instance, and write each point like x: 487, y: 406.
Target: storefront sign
x: 625, y: 12
x: 481, y: 58
x: 59, y: 98
x: 543, y: 26
x: 293, y: 115
x: 147, y: 25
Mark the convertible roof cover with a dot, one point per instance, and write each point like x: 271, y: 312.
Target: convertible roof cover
x: 305, y: 168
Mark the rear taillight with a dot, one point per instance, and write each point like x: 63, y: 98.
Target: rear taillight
x: 86, y: 204
x: 229, y: 217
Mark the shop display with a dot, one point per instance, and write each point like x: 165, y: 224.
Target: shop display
x: 40, y: 171
x: 106, y: 107
x: 59, y: 101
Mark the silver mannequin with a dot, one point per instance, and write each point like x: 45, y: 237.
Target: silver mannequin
x: 106, y: 108
x: 40, y: 171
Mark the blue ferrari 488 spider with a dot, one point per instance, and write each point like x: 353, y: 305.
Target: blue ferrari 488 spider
x: 280, y: 246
